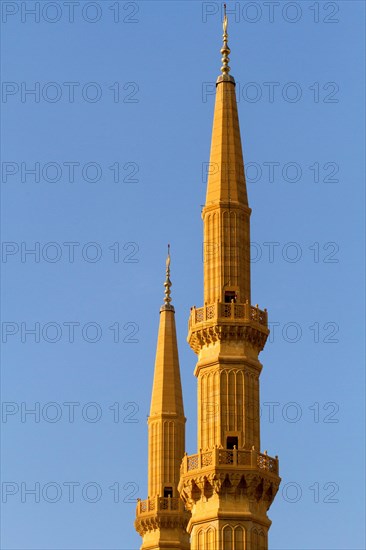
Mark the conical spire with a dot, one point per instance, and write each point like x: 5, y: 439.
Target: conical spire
x: 226, y: 180
x: 227, y: 251
x: 167, y: 389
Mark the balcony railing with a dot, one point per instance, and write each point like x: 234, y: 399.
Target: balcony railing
x: 159, y: 504
x: 229, y: 458
x: 224, y: 312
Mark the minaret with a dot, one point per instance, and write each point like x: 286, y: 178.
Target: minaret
x: 161, y: 520
x: 229, y: 484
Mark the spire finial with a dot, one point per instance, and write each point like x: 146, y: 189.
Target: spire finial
x: 167, y: 283
x: 225, y: 50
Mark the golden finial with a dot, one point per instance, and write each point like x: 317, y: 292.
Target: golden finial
x: 167, y: 283
x: 225, y: 50
x: 225, y: 19
x: 168, y: 258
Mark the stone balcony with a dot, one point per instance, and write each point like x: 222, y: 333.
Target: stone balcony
x: 159, y: 513
x: 156, y: 505
x: 229, y: 460
x: 220, y: 311
x: 227, y: 320
x: 229, y: 477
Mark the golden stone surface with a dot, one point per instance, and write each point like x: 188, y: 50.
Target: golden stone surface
x: 220, y: 495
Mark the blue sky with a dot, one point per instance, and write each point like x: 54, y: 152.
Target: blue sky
x: 117, y: 133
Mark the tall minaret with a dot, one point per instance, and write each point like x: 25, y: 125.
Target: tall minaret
x: 229, y: 484
x: 161, y: 520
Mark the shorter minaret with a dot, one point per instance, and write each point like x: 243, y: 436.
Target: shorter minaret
x: 161, y: 520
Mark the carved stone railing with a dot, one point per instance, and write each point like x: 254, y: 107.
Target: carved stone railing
x: 221, y: 312
x: 159, y: 504
x: 217, y: 458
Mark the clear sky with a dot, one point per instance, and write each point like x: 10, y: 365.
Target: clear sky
x: 117, y: 132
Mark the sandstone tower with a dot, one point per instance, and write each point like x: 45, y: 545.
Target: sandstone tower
x: 228, y: 486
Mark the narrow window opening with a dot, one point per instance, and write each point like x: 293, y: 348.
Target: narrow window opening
x: 231, y: 441
x: 168, y: 492
x: 230, y: 296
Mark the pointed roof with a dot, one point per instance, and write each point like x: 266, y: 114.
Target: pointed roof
x: 226, y: 179
x: 166, y: 395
